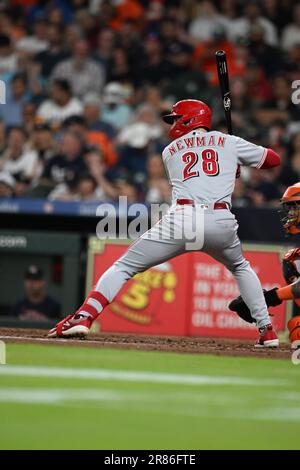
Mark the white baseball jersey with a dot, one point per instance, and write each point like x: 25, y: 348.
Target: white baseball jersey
x: 202, y: 165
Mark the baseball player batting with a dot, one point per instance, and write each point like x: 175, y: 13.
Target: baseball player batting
x: 290, y: 203
x: 201, y: 165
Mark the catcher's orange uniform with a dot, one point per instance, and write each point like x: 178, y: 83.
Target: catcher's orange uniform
x: 290, y: 217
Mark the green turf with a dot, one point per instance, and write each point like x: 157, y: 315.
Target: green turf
x: 35, y: 412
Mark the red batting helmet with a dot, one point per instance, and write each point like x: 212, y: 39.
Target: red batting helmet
x: 187, y: 115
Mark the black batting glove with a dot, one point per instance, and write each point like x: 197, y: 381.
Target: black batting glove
x: 238, y: 305
x: 271, y: 297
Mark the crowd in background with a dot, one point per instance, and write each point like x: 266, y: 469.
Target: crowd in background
x: 88, y: 81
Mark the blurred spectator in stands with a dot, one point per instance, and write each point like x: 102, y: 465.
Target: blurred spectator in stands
x: 239, y: 196
x: 91, y: 185
x: 23, y: 184
x: 58, y: 16
x: 277, y: 139
x: 268, y: 56
x: 56, y: 11
x: 152, y: 96
x: 88, y: 24
x: 93, y: 137
x: 252, y: 16
x: 98, y: 169
x: 152, y: 67
x: 263, y: 188
x: 134, y: 140
x: 291, y: 33
x: 290, y: 171
x: 7, y: 184
x: 72, y: 34
x: 11, y: 112
x: 67, y: 164
x: 92, y: 115
x: 17, y: 159
x: 158, y: 144
x: 87, y: 189
x: 208, y: 20
x: 128, y: 37
x: 242, y: 108
x: 278, y: 12
x: 259, y: 88
x: 8, y: 58
x: 127, y: 189
x: 119, y: 69
x: 176, y: 49
x: 165, y: 190
x: 228, y: 9
x: 38, y: 41
x: 155, y: 174
x: 61, y: 104
x: 83, y: 73
x: 31, y: 69
x: 292, y: 62
x: 204, y: 60
x: 79, y: 5
x: 37, y: 304
x: 43, y: 142
x: 29, y: 118
x: 295, y: 165
x: 12, y: 22
x: 2, y: 136
x: 126, y: 10
x: 105, y: 47
x: 78, y: 188
x: 154, y: 15
x: 280, y: 108
x: 55, y: 52
x: 115, y: 111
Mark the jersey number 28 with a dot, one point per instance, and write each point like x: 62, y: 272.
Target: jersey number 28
x: 210, y: 165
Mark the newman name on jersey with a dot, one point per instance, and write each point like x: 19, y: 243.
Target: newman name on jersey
x: 194, y: 160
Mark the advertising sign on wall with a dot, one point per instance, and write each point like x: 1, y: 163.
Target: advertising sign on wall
x: 187, y: 295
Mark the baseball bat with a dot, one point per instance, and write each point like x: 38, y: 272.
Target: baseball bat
x: 225, y: 91
x: 224, y: 87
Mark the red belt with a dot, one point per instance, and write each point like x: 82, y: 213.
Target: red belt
x: 190, y: 202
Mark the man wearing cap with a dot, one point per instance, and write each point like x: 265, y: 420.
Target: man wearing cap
x: 61, y: 105
x: 115, y: 111
x: 36, y: 304
x: 92, y: 114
